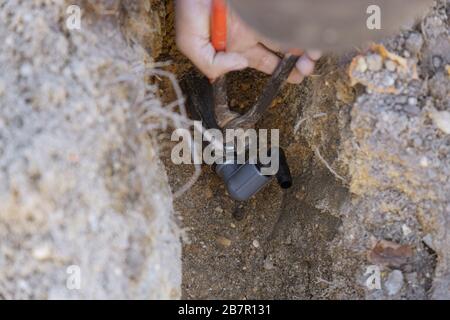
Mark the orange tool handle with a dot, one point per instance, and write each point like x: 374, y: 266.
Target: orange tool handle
x: 219, y: 25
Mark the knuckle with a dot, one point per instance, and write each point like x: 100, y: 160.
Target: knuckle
x: 264, y: 63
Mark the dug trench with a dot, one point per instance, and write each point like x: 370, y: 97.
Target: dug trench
x: 356, y: 201
x: 278, y: 243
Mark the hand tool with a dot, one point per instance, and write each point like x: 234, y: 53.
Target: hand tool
x: 243, y: 181
x: 225, y: 118
x: 210, y: 102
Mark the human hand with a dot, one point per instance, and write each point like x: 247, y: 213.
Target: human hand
x: 245, y: 48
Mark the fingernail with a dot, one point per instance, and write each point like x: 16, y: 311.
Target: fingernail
x: 296, y: 78
x: 296, y: 52
x: 305, y: 66
x: 315, y: 54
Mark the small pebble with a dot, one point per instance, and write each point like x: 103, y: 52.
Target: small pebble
x: 424, y: 163
x: 224, y: 242
x: 406, y: 230
x: 402, y: 99
x: 26, y: 70
x: 394, y: 282
x: 417, y: 142
x: 218, y: 209
x: 268, y: 265
x: 374, y: 62
x: 428, y: 240
x: 391, y: 66
x: 388, y: 81
x: 398, y: 107
x: 414, y: 43
x: 437, y: 62
x: 442, y: 120
x: 361, y: 65
x: 42, y: 252
x: 256, y: 243
x: 412, y: 101
x: 413, y: 110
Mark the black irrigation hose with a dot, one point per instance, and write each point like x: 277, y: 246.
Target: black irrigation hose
x: 200, y: 99
x: 283, y: 175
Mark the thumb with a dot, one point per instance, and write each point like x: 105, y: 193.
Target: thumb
x: 211, y: 63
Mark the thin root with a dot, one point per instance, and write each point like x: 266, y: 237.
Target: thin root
x: 317, y: 152
x: 301, y: 121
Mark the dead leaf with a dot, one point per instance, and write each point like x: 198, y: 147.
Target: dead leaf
x: 387, y: 253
